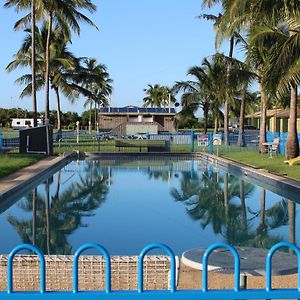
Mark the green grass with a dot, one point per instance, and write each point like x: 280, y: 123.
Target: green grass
x: 274, y: 165
x: 10, y: 163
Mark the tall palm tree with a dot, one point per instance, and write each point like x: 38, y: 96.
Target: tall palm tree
x: 20, y: 6
x: 206, y: 90
x: 63, y: 12
x: 285, y: 62
x: 272, y: 13
x: 221, y: 25
x: 62, y: 64
x: 93, y: 81
x: 158, y: 96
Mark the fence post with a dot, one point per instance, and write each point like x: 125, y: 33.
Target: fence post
x: 192, y: 141
x: 211, y: 143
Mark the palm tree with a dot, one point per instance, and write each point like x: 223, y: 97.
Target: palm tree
x: 206, y: 90
x: 62, y: 65
x: 196, y: 93
x: 63, y: 12
x: 94, y: 82
x: 20, y: 5
x: 284, y: 63
x: 274, y: 13
x: 221, y: 25
x: 59, y: 12
x: 158, y: 96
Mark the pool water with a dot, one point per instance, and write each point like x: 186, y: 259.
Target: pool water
x: 125, y: 205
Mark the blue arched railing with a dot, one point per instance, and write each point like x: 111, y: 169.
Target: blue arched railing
x: 104, y: 252
x: 236, y: 264
x: 269, y: 262
x: 172, y: 294
x: 10, y: 266
x: 140, y: 265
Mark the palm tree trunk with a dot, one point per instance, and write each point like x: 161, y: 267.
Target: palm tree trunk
x: 243, y: 204
x: 47, y: 68
x: 95, y: 115
x: 205, y: 113
x: 47, y: 207
x: 241, y: 138
x: 90, y: 121
x: 58, y: 111
x: 292, y: 142
x: 33, y: 62
x: 216, y: 125
x: 34, y: 196
x: 226, y: 196
x: 226, y: 104
x: 292, y: 222
x: 262, y: 223
x: 263, y: 120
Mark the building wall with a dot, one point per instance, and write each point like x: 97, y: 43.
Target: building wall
x: 108, y: 122
x: 169, y: 124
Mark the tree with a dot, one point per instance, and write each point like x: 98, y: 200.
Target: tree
x: 94, y: 82
x: 62, y: 64
x: 284, y: 62
x: 273, y: 13
x: 158, y: 96
x: 20, y: 6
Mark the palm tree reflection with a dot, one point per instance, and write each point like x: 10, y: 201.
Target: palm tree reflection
x: 53, y: 220
x: 212, y: 199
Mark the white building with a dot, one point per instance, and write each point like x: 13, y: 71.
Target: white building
x: 17, y: 123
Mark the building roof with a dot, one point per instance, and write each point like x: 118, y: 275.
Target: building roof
x: 279, y: 113
x: 137, y: 110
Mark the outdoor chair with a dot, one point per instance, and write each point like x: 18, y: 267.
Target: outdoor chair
x: 274, y: 149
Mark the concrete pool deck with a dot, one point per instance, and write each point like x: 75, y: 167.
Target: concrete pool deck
x: 17, y: 182
x: 282, y: 185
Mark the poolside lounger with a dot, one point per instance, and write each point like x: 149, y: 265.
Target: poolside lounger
x: 293, y: 161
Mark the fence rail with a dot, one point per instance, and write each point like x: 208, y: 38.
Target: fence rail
x: 237, y: 293
x: 179, y: 142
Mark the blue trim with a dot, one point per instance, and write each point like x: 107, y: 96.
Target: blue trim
x: 141, y: 260
x: 10, y: 267
x: 0, y: 141
x: 235, y: 254
x: 236, y: 293
x: 104, y: 252
x: 269, y: 262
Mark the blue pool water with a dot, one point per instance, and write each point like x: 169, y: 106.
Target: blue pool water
x: 125, y: 205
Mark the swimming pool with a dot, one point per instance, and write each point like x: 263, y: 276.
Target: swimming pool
x: 126, y: 204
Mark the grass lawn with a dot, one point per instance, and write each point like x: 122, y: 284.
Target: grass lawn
x: 275, y: 165
x: 10, y: 163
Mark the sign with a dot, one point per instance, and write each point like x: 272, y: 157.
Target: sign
x: 217, y: 139
x: 203, y: 140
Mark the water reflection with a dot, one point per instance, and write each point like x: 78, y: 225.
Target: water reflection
x: 210, y: 198
x: 235, y: 210
x: 55, y: 218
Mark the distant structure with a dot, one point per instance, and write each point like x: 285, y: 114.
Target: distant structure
x: 131, y: 120
x: 277, y: 120
x: 17, y: 123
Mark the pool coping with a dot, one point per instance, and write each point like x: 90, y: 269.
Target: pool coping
x: 274, y: 182
x: 16, y: 183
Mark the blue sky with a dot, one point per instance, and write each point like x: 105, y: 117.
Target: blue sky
x: 140, y: 41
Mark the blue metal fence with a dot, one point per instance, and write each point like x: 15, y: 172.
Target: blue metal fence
x: 283, y: 136
x: 0, y: 141
x: 236, y: 293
